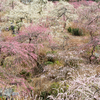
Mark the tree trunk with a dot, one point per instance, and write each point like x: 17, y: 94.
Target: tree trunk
x: 12, y: 4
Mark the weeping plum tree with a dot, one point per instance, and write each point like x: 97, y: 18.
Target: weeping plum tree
x: 21, y: 50
x: 35, y: 34
x: 25, y: 55
x: 26, y: 52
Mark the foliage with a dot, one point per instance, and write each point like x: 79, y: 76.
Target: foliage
x: 57, y: 88
x: 48, y: 62
x: 10, y: 27
x: 75, y: 31
x: 2, y: 98
x: 69, y: 29
x: 59, y: 63
x: 52, y: 91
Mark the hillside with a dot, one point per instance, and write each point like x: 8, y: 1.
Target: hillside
x: 49, y: 50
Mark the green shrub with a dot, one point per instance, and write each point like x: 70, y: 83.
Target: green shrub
x: 2, y: 98
x: 75, y: 31
x: 58, y: 63
x: 14, y: 27
x: 69, y: 29
x: 55, y: 85
x: 53, y: 88
x: 48, y: 62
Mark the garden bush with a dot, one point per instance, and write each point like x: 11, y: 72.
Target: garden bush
x: 49, y: 62
x: 69, y: 29
x: 75, y: 31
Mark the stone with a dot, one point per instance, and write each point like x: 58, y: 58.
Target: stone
x: 8, y: 92
x: 15, y: 94
x: 97, y: 54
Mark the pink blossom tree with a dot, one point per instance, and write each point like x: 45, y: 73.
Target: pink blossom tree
x: 25, y: 55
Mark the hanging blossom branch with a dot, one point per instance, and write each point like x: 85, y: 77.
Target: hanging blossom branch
x: 33, y: 34
x: 27, y: 52
x: 22, y: 53
x: 21, y: 50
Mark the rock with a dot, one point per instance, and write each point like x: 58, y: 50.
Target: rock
x: 0, y: 94
x: 8, y: 92
x: 97, y: 54
x: 15, y: 94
